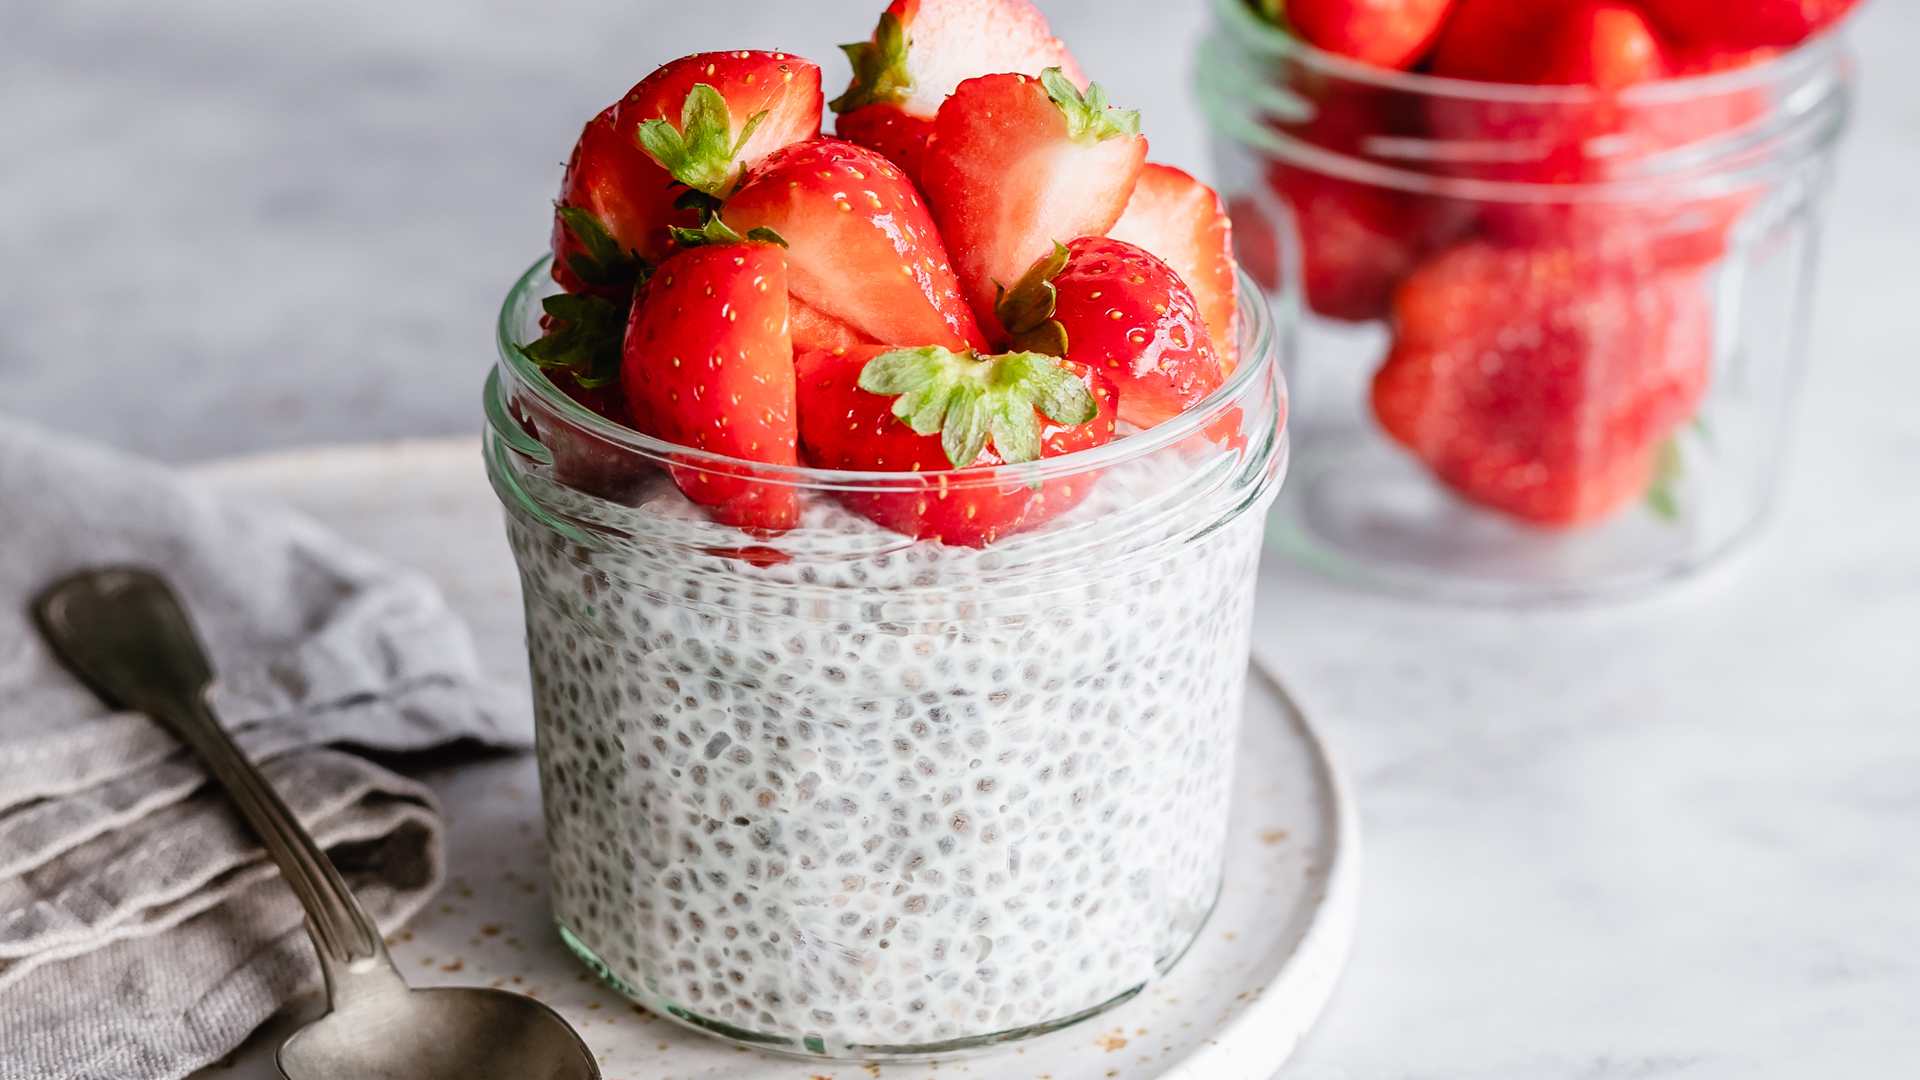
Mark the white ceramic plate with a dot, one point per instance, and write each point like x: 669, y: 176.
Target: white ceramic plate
x: 1233, y: 1009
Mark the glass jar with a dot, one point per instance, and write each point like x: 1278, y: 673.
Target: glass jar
x: 1543, y: 340
x: 839, y: 792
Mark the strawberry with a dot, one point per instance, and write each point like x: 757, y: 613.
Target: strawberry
x: 920, y: 51
x: 622, y: 194
x: 708, y: 364
x: 1018, y: 164
x: 1183, y: 223
x: 1385, y: 33
x: 1608, y: 45
x: 1357, y: 241
x: 1748, y: 24
x: 1539, y: 381
x: 881, y: 409
x: 863, y: 248
x: 1496, y: 40
x: 1118, y: 310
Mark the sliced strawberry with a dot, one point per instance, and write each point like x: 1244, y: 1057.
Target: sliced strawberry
x: 1747, y: 24
x: 1539, y: 381
x: 920, y: 51
x: 613, y: 214
x: 708, y: 364
x: 1183, y: 223
x: 814, y: 329
x: 1115, y: 308
x: 862, y: 247
x: 1017, y: 164
x: 1386, y: 33
x: 622, y: 192
x: 754, y: 103
x: 846, y: 426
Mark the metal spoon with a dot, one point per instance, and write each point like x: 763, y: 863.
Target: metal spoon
x: 122, y: 631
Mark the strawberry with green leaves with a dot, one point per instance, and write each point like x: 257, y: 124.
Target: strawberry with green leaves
x: 708, y: 364
x: 1183, y: 223
x: 1018, y: 164
x: 920, y: 51
x: 1118, y: 310
x: 694, y: 124
x: 862, y: 248
x: 953, y: 415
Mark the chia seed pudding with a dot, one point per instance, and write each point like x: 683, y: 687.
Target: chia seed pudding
x: 844, y: 793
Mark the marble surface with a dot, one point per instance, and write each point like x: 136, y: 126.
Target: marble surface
x: 1678, y: 838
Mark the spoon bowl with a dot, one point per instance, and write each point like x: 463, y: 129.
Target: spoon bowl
x: 123, y: 632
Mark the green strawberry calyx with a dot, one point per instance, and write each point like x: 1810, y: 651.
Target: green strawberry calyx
x: 604, y: 263
x: 717, y: 233
x: 966, y: 397
x: 700, y: 152
x: 1026, y: 310
x: 1089, y: 118
x: 879, y: 68
x: 584, y: 338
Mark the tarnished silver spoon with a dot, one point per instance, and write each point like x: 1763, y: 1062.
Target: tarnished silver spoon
x: 123, y: 632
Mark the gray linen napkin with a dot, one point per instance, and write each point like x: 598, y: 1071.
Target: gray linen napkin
x: 143, y: 933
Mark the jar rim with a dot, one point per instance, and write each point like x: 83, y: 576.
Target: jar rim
x: 1258, y: 352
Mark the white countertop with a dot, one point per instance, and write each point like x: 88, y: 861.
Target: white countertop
x: 1675, y: 838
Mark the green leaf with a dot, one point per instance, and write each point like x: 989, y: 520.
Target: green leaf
x: 603, y: 263
x: 879, y: 68
x: 1026, y: 310
x: 1089, y: 118
x: 584, y: 340
x: 966, y: 398
x: 700, y: 152
x: 717, y: 233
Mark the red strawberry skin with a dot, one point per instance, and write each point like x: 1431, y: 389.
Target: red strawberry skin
x: 1129, y: 317
x: 1496, y: 40
x: 1006, y: 180
x: 1746, y: 24
x: 610, y: 177
x: 862, y: 247
x: 708, y: 364
x: 889, y: 132
x: 845, y: 427
x: 1539, y: 382
x: 1183, y: 223
x: 1385, y: 33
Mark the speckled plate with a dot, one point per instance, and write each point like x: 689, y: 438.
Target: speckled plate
x: 1233, y: 1009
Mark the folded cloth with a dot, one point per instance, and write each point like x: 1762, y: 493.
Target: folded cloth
x: 143, y: 932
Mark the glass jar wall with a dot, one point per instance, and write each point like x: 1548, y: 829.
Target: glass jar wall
x: 1544, y: 339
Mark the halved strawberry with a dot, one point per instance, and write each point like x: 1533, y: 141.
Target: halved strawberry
x: 753, y: 104
x: 921, y: 50
x: 1017, y: 164
x: 622, y: 192
x: 932, y: 404
x: 1183, y: 223
x: 1115, y: 308
x: 863, y: 249
x: 1386, y: 33
x: 708, y: 364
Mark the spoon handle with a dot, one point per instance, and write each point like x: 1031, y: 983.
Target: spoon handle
x: 126, y: 635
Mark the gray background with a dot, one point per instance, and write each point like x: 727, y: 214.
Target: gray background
x: 1669, y: 839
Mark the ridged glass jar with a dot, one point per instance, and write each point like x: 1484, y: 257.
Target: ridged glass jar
x: 1543, y: 341
x: 836, y: 792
